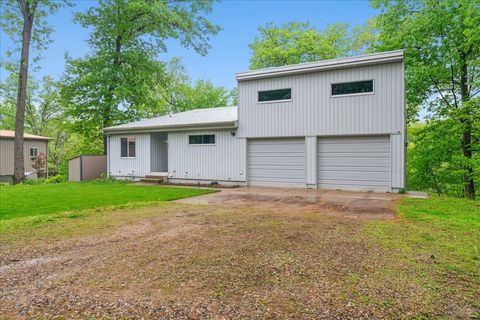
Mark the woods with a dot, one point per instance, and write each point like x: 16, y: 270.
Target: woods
x: 123, y: 76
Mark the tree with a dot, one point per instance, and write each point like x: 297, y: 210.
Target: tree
x: 297, y: 42
x: 116, y: 82
x: 441, y: 39
x: 29, y: 14
x: 178, y: 93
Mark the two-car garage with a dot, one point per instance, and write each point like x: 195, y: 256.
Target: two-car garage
x: 349, y: 163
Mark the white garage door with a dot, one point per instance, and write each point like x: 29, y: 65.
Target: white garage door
x: 276, y: 162
x: 354, y: 163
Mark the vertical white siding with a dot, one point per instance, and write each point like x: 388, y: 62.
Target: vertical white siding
x: 313, y: 111
x: 136, y: 167
x: 224, y: 161
x: 311, y: 149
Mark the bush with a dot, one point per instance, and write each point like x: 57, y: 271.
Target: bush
x: 33, y: 181
x: 56, y: 179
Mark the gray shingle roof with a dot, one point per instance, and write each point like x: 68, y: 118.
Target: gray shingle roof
x: 192, y: 118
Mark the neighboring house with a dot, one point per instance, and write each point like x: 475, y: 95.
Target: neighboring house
x: 32, y: 146
x: 336, y: 124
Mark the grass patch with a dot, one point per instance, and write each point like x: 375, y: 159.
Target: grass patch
x: 439, y: 233
x: 33, y: 200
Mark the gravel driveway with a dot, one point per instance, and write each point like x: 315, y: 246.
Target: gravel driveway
x: 238, y: 254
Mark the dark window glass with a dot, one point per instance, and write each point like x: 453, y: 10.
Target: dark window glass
x: 131, y: 147
x: 352, y: 87
x: 33, y: 152
x: 274, y: 95
x: 202, y: 139
x: 124, y: 147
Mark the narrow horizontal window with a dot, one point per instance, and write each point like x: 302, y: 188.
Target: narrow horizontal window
x: 202, y: 139
x: 33, y: 151
x: 352, y: 87
x: 275, y: 95
x: 127, y: 147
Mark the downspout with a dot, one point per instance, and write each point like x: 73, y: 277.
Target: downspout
x: 46, y: 162
x: 108, y: 155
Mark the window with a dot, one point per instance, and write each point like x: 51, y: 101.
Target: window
x: 127, y: 147
x: 33, y: 151
x: 275, y: 95
x: 357, y: 87
x: 202, y: 139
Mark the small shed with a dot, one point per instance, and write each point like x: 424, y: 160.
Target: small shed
x: 86, y: 167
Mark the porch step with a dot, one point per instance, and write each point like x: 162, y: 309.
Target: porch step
x: 154, y: 179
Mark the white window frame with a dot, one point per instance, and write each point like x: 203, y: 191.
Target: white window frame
x: 203, y: 144
x: 30, y: 152
x: 128, y: 147
x: 275, y: 101
x: 352, y: 94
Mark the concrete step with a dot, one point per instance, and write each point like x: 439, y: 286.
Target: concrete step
x: 153, y: 180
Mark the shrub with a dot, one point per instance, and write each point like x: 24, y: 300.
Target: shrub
x: 33, y: 181
x: 56, y: 179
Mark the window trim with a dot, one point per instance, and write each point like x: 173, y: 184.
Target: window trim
x: 352, y: 94
x: 202, y: 144
x: 275, y: 101
x: 128, y: 147
x: 30, y: 152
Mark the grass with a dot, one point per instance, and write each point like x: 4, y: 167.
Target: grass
x: 32, y: 200
x: 437, y: 240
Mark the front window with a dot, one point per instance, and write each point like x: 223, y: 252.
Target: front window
x: 357, y: 87
x: 201, y: 139
x: 127, y: 147
x: 33, y: 151
x: 275, y: 95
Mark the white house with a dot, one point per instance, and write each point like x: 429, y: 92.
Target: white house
x: 336, y: 124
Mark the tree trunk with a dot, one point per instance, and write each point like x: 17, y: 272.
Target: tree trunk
x: 19, y: 165
x: 469, y: 184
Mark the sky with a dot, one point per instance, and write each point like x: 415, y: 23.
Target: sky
x: 229, y: 54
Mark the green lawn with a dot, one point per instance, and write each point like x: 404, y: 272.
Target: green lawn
x: 31, y: 200
x: 442, y: 232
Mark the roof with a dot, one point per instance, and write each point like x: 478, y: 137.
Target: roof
x: 11, y: 135
x: 367, y: 59
x: 208, y: 117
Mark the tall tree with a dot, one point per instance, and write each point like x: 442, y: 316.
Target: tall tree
x: 297, y: 42
x: 177, y: 93
x: 30, y: 15
x: 116, y: 82
x: 441, y: 39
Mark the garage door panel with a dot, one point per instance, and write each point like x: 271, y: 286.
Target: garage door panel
x: 354, y: 163
x: 276, y: 162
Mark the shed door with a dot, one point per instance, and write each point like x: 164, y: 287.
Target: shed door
x: 276, y: 162
x: 354, y: 163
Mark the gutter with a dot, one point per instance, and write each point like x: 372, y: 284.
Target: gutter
x: 193, y: 126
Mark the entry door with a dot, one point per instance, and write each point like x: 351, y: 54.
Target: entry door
x: 276, y: 162
x: 354, y: 163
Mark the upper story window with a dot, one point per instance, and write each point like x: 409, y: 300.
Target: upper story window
x: 275, y: 95
x: 127, y: 149
x: 201, y: 139
x: 33, y: 152
x: 357, y: 87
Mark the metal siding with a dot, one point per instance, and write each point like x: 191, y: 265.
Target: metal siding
x: 93, y: 167
x: 7, y: 157
x: 74, y: 169
x: 354, y: 163
x: 159, y: 152
x: 224, y: 161
x: 138, y: 166
x: 277, y: 162
x: 313, y: 111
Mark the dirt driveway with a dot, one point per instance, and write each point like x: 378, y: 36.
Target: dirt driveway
x: 247, y: 253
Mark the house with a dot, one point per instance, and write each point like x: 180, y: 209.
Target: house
x: 32, y: 146
x: 336, y: 124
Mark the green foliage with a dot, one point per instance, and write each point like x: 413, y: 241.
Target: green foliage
x: 117, y: 82
x: 56, y: 179
x: 177, y: 93
x: 296, y: 42
x: 29, y: 200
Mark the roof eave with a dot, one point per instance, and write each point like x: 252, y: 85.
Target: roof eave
x: 211, y: 125
x: 369, y: 59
